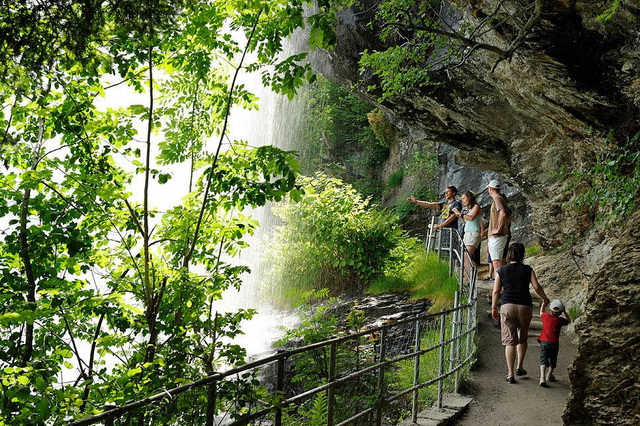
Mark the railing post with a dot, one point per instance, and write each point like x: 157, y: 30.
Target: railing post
x: 462, y: 258
x: 383, y: 350
x: 211, y: 402
x: 109, y: 420
x: 473, y: 276
x: 279, y: 391
x: 471, y: 298
x: 450, y: 231
x: 471, y: 312
x: 430, y: 234
x: 416, y: 375
x: 441, y: 359
x: 331, y: 390
x: 455, y: 334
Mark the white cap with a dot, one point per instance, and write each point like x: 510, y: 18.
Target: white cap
x: 494, y: 184
x: 556, y: 306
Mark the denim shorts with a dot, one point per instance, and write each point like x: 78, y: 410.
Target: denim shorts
x: 549, y: 353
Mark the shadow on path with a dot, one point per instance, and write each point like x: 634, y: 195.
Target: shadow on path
x: 495, y: 402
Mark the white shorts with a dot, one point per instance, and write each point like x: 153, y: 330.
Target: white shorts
x: 472, y: 239
x: 497, y: 245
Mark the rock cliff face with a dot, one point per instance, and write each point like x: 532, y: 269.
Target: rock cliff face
x: 529, y: 118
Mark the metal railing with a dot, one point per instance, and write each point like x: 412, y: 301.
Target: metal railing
x: 351, y: 379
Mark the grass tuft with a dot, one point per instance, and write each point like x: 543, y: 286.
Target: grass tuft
x: 426, y: 278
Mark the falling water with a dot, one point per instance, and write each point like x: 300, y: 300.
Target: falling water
x: 278, y: 122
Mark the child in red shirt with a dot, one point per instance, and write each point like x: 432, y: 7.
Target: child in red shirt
x: 549, y: 340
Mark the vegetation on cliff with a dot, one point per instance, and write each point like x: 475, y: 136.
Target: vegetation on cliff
x: 332, y: 239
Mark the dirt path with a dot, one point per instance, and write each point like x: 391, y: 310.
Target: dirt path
x: 498, y: 403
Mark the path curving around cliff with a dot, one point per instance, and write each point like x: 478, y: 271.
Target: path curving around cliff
x: 495, y: 402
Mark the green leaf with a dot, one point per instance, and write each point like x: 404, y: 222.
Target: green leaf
x: 134, y: 371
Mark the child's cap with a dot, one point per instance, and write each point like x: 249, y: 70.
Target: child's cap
x: 556, y: 306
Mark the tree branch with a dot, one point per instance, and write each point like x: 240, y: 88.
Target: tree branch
x: 187, y: 257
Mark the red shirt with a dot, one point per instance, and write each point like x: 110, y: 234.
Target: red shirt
x: 551, y: 326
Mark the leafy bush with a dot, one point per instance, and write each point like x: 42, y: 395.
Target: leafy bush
x: 383, y: 129
x: 608, y: 188
x: 333, y: 238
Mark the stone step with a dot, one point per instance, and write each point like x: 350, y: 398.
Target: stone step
x: 453, y: 406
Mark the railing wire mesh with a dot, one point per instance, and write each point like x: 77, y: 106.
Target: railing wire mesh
x: 353, y: 379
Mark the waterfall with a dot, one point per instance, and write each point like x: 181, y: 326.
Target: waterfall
x: 279, y: 121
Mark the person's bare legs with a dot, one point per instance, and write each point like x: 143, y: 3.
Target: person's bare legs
x: 522, y: 351
x: 470, y: 250
x: 510, y: 355
x: 496, y: 265
x: 543, y: 376
x: 550, y: 377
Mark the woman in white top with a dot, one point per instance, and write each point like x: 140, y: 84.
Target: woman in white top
x: 473, y: 223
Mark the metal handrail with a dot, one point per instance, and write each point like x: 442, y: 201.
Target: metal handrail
x: 461, y: 329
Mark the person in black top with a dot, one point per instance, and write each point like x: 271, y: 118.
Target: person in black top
x: 447, y: 218
x: 516, y: 307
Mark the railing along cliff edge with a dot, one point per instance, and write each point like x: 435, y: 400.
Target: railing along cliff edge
x: 361, y: 361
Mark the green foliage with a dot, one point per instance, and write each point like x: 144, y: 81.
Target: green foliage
x: 533, y: 250
x: 420, y: 43
x: 346, y: 144
x: 424, y: 164
x: 608, y: 188
x: 424, y: 169
x: 403, y: 376
x: 424, y: 275
x: 395, y: 179
x: 107, y: 282
x: 318, y: 324
x: 333, y: 238
x: 315, y: 413
x: 311, y: 369
x: 397, y: 69
x: 416, y: 46
x: 574, y: 312
x: 609, y: 12
x: 403, y: 209
x: 382, y: 127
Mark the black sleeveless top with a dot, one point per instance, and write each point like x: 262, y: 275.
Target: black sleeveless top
x: 515, y: 278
